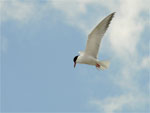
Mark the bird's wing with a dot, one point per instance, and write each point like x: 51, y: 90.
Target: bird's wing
x: 94, y: 38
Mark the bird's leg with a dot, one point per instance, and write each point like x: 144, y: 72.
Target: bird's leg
x: 97, y: 65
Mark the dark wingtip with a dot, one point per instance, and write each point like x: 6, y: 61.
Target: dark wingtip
x: 112, y: 14
x: 111, y: 17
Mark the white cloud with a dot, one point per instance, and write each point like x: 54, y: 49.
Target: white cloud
x: 118, y: 103
x: 127, y: 27
x: 73, y: 10
x: 16, y: 10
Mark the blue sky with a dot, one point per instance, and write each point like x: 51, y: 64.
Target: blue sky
x: 39, y: 40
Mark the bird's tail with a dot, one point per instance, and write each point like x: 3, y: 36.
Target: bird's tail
x: 104, y: 64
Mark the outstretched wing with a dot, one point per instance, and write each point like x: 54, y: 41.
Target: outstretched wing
x: 95, y: 37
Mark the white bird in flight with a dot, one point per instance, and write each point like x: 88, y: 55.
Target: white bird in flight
x: 89, y: 56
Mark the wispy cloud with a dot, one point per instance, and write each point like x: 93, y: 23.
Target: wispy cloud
x: 73, y: 10
x: 127, y: 27
x: 16, y: 10
x: 128, y: 101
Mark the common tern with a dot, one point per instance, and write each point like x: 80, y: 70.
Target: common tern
x: 89, y: 56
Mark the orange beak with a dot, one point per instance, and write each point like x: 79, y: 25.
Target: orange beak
x: 74, y: 64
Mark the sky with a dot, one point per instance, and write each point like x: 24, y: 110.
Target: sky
x: 39, y: 39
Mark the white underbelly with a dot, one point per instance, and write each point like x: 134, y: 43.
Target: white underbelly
x: 87, y: 60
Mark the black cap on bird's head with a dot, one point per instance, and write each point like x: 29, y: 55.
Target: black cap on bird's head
x: 75, y: 59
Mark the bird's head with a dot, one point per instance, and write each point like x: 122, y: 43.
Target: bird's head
x: 75, y: 59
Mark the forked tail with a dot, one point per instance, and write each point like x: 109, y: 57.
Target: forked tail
x: 104, y: 64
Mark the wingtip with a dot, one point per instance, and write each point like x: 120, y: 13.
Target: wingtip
x: 113, y: 14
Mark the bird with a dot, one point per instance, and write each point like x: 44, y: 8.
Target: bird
x: 90, y: 55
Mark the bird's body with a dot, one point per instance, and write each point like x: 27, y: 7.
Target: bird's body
x: 89, y: 56
x: 86, y: 59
